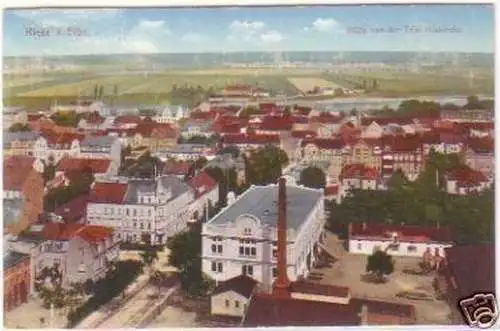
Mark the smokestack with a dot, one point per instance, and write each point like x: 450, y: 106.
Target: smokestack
x: 282, y: 282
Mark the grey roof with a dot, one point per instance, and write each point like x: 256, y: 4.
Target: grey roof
x: 262, y: 202
x: 11, y: 210
x: 11, y: 258
x: 204, y: 126
x: 98, y: 141
x: 172, y: 183
x: 8, y: 137
x: 185, y: 148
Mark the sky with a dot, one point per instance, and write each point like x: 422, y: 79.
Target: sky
x: 420, y: 28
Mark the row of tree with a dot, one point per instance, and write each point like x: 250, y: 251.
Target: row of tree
x: 423, y: 202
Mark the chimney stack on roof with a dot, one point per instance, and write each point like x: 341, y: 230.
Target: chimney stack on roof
x: 282, y: 283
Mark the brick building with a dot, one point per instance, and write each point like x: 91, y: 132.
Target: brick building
x: 17, y: 279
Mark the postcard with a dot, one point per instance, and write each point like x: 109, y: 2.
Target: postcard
x: 249, y: 166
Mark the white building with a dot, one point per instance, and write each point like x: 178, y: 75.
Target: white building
x: 464, y: 180
x: 241, y: 239
x: 231, y: 297
x: 102, y: 147
x: 80, y: 252
x: 171, y: 114
x: 398, y: 240
x: 142, y: 209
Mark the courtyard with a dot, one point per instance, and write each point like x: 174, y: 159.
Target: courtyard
x: 346, y: 269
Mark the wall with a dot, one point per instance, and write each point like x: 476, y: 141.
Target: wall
x: 368, y: 246
x: 17, y: 288
x: 218, y: 304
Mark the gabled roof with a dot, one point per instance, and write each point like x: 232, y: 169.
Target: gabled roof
x: 357, y: 170
x: 79, y: 164
x: 268, y: 310
x: 241, y: 284
x: 64, y: 232
x: 15, y: 171
x: 481, y: 145
x: 202, y: 184
x: 466, y: 176
x: 472, y: 267
x: 108, y: 193
x: 127, y: 119
x: 405, y: 232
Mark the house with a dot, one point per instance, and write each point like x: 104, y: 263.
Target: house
x: 372, y: 131
x: 227, y: 161
x: 184, y: 152
x: 479, y: 155
x: 62, y: 145
x: 206, y: 193
x: 398, y: 240
x: 365, y: 151
x: 468, y: 115
x: 331, y: 150
x: 250, y: 140
x: 142, y: 210
x: 358, y: 176
x: 455, y: 279
x: 171, y: 114
x: 126, y: 121
x: 79, y: 252
x: 155, y: 136
x: 405, y: 154
x: 94, y: 122
x: 197, y: 128
x: 463, y: 180
x: 331, y: 192
x: 25, y: 143
x: 102, y: 147
x: 16, y: 279
x: 22, y: 193
x: 71, y: 167
x: 242, y: 237
x: 231, y: 297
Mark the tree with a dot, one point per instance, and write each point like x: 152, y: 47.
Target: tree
x: 380, y: 264
x: 226, y: 180
x: 101, y: 92
x: 49, y: 172
x: 19, y: 127
x: 473, y: 103
x: 96, y: 91
x: 231, y: 149
x: 265, y: 165
x: 313, y: 177
x: 148, y: 256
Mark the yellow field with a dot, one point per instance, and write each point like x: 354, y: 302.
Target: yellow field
x: 309, y: 83
x: 24, y: 80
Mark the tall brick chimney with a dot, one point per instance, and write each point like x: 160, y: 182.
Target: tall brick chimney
x: 282, y: 282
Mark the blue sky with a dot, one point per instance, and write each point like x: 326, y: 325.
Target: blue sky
x: 251, y: 29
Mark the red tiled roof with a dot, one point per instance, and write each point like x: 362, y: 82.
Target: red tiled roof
x: 324, y: 143
x: 268, y: 310
x: 472, y: 267
x: 63, y: 232
x: 303, y: 133
x: 108, y: 193
x: 241, y: 284
x: 378, y: 231
x: 34, y: 117
x: 201, y: 115
x: 61, y: 139
x: 121, y: 132
x: 238, y: 88
x: 481, y: 145
x: 15, y: 171
x: 95, y: 118
x: 242, y: 138
x: 326, y: 117
x: 173, y: 167
x: 78, y: 164
x: 319, y: 289
x: 386, y: 120
x: 303, y: 110
x: 465, y: 176
x: 73, y: 210
x: 405, y: 143
x: 358, y: 171
x: 331, y: 190
x: 127, y: 119
x: 276, y: 123
x: 202, y: 184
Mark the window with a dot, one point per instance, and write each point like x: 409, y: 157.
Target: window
x: 217, y: 266
x: 135, y: 212
x: 217, y: 245
x: 142, y: 226
x: 128, y: 212
x: 214, y: 266
x: 247, y: 270
x: 227, y: 303
x: 247, y: 247
x: 275, y: 272
x: 412, y: 249
x: 236, y: 304
x: 149, y: 226
x: 360, y: 246
x: 135, y: 224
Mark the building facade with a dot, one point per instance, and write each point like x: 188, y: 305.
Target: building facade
x: 242, y: 238
x: 16, y: 279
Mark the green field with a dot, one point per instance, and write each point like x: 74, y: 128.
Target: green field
x: 139, y: 88
x: 408, y: 83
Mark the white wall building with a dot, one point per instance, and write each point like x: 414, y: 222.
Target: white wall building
x: 397, y: 240
x: 102, y: 147
x: 156, y: 208
x: 171, y: 114
x: 241, y: 239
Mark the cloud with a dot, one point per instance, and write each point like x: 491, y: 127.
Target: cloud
x: 193, y: 37
x: 324, y: 25
x: 60, y: 17
x: 244, y: 30
x: 272, y: 37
